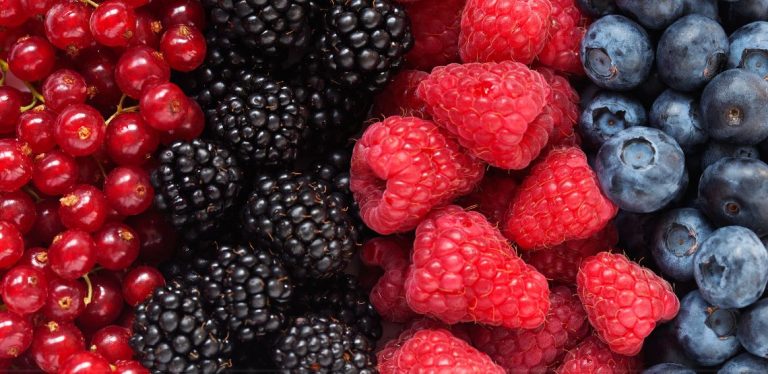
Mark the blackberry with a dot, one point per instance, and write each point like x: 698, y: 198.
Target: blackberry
x: 343, y: 299
x: 333, y: 170
x: 197, y: 183
x: 259, y: 118
x: 276, y: 29
x: 315, y: 344
x: 294, y: 215
x: 363, y: 42
x: 247, y: 290
x: 173, y: 334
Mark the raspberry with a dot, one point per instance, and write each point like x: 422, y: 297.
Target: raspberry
x: 488, y: 106
x: 623, y: 300
x: 433, y: 351
x: 399, y: 97
x: 463, y: 270
x: 534, y: 351
x: 403, y: 167
x: 492, y: 196
x: 568, y: 26
x: 564, y: 105
x: 499, y: 30
x: 435, y: 25
x: 592, y: 356
x: 561, y: 262
x: 559, y: 201
x: 388, y: 294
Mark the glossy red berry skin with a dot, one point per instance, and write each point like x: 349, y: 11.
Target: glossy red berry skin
x: 79, y: 130
x: 139, y: 283
x: 107, y: 302
x: 11, y: 245
x: 149, y: 28
x: 67, y: 27
x: 32, y: 58
x: 85, y: 363
x: 15, y: 165
x: 54, y: 343
x: 48, y: 224
x: 11, y: 101
x: 164, y: 107
x: 38, y: 7
x: 54, y: 173
x: 130, y: 141
x: 129, y: 190
x: 65, y: 300
x: 12, y: 13
x: 63, y: 88
x: 183, y: 47
x: 98, y: 68
x: 35, y: 128
x: 15, y: 335
x: 111, y: 342
x: 72, y: 254
x: 83, y: 208
x: 190, y: 129
x: 158, y: 237
x: 113, y: 23
x: 37, y: 257
x: 117, y: 246
x: 24, y: 289
x: 139, y: 68
x: 183, y: 12
x: 89, y: 171
x: 17, y: 208
x: 130, y: 367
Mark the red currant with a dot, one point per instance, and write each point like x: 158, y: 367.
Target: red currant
x: 24, y: 289
x: 117, y: 246
x: 164, y: 106
x: 37, y: 257
x: 148, y: 29
x: 32, y: 58
x: 15, y: 165
x: 67, y: 28
x: 11, y: 101
x: 48, y: 224
x: 72, y: 254
x: 90, y: 171
x: 19, y: 209
x: 129, y: 190
x: 85, y: 363
x: 158, y: 238
x: 113, y: 23
x: 11, y: 244
x: 112, y: 342
x: 140, y: 68
x: 183, y: 47
x: 98, y: 69
x: 130, y: 367
x: 130, y: 141
x: 12, y: 13
x: 37, y: 7
x: 79, y: 130
x: 183, y: 12
x: 139, y: 284
x: 65, y: 300
x: 36, y: 129
x: 190, y: 129
x: 136, y: 3
x: 107, y: 302
x: 63, y: 88
x: 126, y: 318
x: 15, y: 335
x: 54, y: 173
x: 83, y: 208
x: 54, y: 343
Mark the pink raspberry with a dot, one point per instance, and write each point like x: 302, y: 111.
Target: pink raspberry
x: 559, y: 201
x: 564, y: 106
x: 388, y: 294
x: 402, y: 168
x: 435, y: 25
x: 535, y: 351
x: 399, y: 97
x: 624, y: 300
x: 592, y: 356
x: 568, y: 26
x: 490, y: 108
x: 463, y: 270
x: 492, y: 196
x: 500, y: 30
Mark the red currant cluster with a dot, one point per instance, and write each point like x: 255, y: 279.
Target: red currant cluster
x: 77, y: 236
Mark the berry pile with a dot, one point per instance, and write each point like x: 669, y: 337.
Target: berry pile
x: 394, y: 186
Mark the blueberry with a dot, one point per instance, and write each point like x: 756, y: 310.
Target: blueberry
x: 706, y: 333
x: 731, y: 267
x: 715, y: 152
x: 733, y: 191
x: 616, y: 53
x: 641, y: 169
x: 748, y: 48
x: 738, y: 13
x: 676, y: 239
x: 707, y: 8
x: 734, y: 106
x: 745, y: 363
x: 662, y: 346
x: 669, y: 368
x: 691, y: 52
x: 677, y: 114
x: 753, y: 329
x: 597, y: 8
x: 607, y: 114
x: 656, y: 14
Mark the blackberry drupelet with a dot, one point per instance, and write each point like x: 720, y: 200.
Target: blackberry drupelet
x: 173, y: 334
x: 197, y: 183
x: 247, y: 290
x: 363, y: 42
x: 343, y: 299
x: 295, y: 216
x: 333, y: 170
x: 260, y: 119
x: 276, y: 29
x: 315, y: 344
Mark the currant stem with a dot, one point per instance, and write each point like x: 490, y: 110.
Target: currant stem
x: 89, y: 297
x: 35, y: 94
x: 3, y: 71
x: 90, y: 2
x: 32, y: 193
x: 101, y: 168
